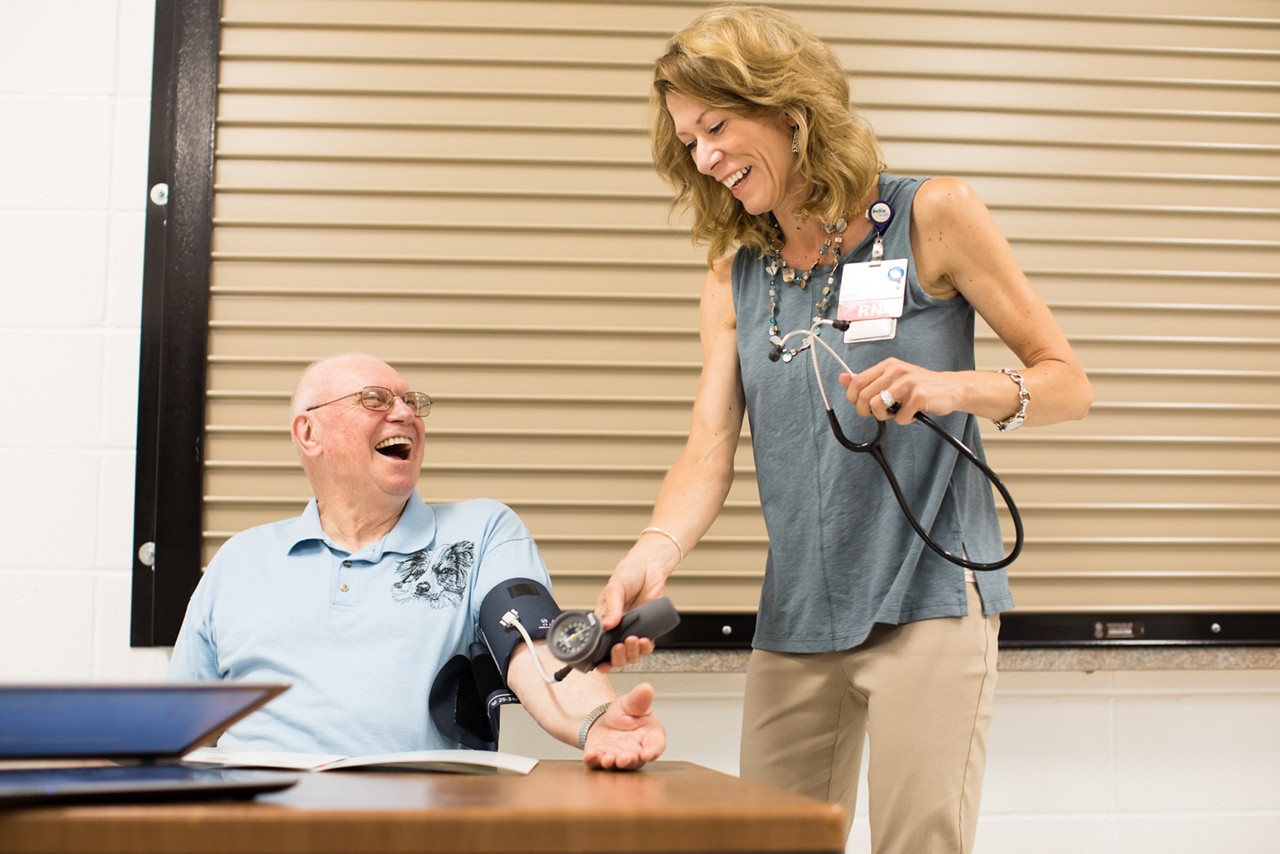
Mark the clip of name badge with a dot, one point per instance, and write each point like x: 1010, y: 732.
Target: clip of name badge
x: 881, y: 214
x: 871, y: 299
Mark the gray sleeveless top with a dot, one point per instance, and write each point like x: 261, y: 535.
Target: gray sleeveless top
x: 841, y: 554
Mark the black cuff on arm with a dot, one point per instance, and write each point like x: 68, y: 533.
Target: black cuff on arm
x: 534, y: 607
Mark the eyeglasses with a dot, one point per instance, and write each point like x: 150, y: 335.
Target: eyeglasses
x: 381, y: 399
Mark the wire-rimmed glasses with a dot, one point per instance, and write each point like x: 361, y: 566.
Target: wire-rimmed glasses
x: 380, y: 399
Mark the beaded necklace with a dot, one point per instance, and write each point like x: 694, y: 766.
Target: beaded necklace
x: 774, y: 264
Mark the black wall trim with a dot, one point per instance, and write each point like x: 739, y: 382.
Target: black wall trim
x: 175, y: 318
x: 1017, y: 631
x: 1143, y: 628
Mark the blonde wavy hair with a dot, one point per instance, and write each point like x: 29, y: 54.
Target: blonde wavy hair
x: 757, y: 62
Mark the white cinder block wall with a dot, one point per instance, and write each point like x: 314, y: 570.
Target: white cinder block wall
x: 75, y: 78
x: 1125, y: 763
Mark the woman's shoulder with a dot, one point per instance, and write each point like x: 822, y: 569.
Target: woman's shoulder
x: 945, y: 198
x: 722, y: 270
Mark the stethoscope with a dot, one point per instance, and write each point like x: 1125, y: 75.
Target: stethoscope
x: 872, y: 447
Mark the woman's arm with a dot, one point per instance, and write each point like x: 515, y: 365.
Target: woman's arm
x: 694, y: 489
x: 959, y: 249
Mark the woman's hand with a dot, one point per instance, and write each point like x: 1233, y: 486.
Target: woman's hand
x: 634, y: 582
x: 912, y: 388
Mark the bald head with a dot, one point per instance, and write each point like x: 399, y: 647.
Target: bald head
x: 328, y: 378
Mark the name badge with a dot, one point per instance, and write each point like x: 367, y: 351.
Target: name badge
x: 871, y: 297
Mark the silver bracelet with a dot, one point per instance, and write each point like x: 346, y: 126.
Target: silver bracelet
x: 1014, y: 421
x: 591, y: 718
x: 670, y: 536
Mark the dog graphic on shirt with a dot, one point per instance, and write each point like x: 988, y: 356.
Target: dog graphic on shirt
x: 440, y: 582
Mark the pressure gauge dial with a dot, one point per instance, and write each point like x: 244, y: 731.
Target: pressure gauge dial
x: 577, y: 638
x: 574, y: 636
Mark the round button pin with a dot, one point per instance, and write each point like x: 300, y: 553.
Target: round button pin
x: 881, y: 214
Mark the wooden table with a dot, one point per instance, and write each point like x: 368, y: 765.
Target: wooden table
x: 559, y: 807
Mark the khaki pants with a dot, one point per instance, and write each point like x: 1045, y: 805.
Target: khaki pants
x: 919, y: 693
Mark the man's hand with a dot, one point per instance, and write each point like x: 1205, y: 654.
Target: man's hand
x: 628, y: 735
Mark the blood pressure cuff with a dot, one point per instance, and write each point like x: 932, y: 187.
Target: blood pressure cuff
x: 469, y: 692
x: 467, y: 699
x: 534, y: 608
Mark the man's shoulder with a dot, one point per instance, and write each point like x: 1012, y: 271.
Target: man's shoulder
x: 486, y: 519
x: 473, y: 508
x: 268, y: 529
x: 282, y: 532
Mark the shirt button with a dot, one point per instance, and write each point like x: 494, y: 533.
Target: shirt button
x: 344, y: 588
x: 347, y: 564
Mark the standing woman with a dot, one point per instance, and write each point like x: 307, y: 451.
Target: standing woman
x: 862, y: 631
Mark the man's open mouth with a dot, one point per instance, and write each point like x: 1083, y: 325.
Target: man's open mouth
x: 397, y: 446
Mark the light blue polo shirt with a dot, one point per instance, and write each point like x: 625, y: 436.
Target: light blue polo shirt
x: 361, y: 636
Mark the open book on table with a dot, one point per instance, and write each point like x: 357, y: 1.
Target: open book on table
x: 452, y: 761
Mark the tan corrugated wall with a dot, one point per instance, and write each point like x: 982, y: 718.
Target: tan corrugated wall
x: 464, y: 188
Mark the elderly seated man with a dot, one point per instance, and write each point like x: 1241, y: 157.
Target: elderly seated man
x: 368, y: 601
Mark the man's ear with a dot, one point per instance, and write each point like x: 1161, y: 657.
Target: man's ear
x: 305, y: 437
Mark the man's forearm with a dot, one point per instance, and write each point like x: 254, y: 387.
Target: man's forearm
x: 558, y: 707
